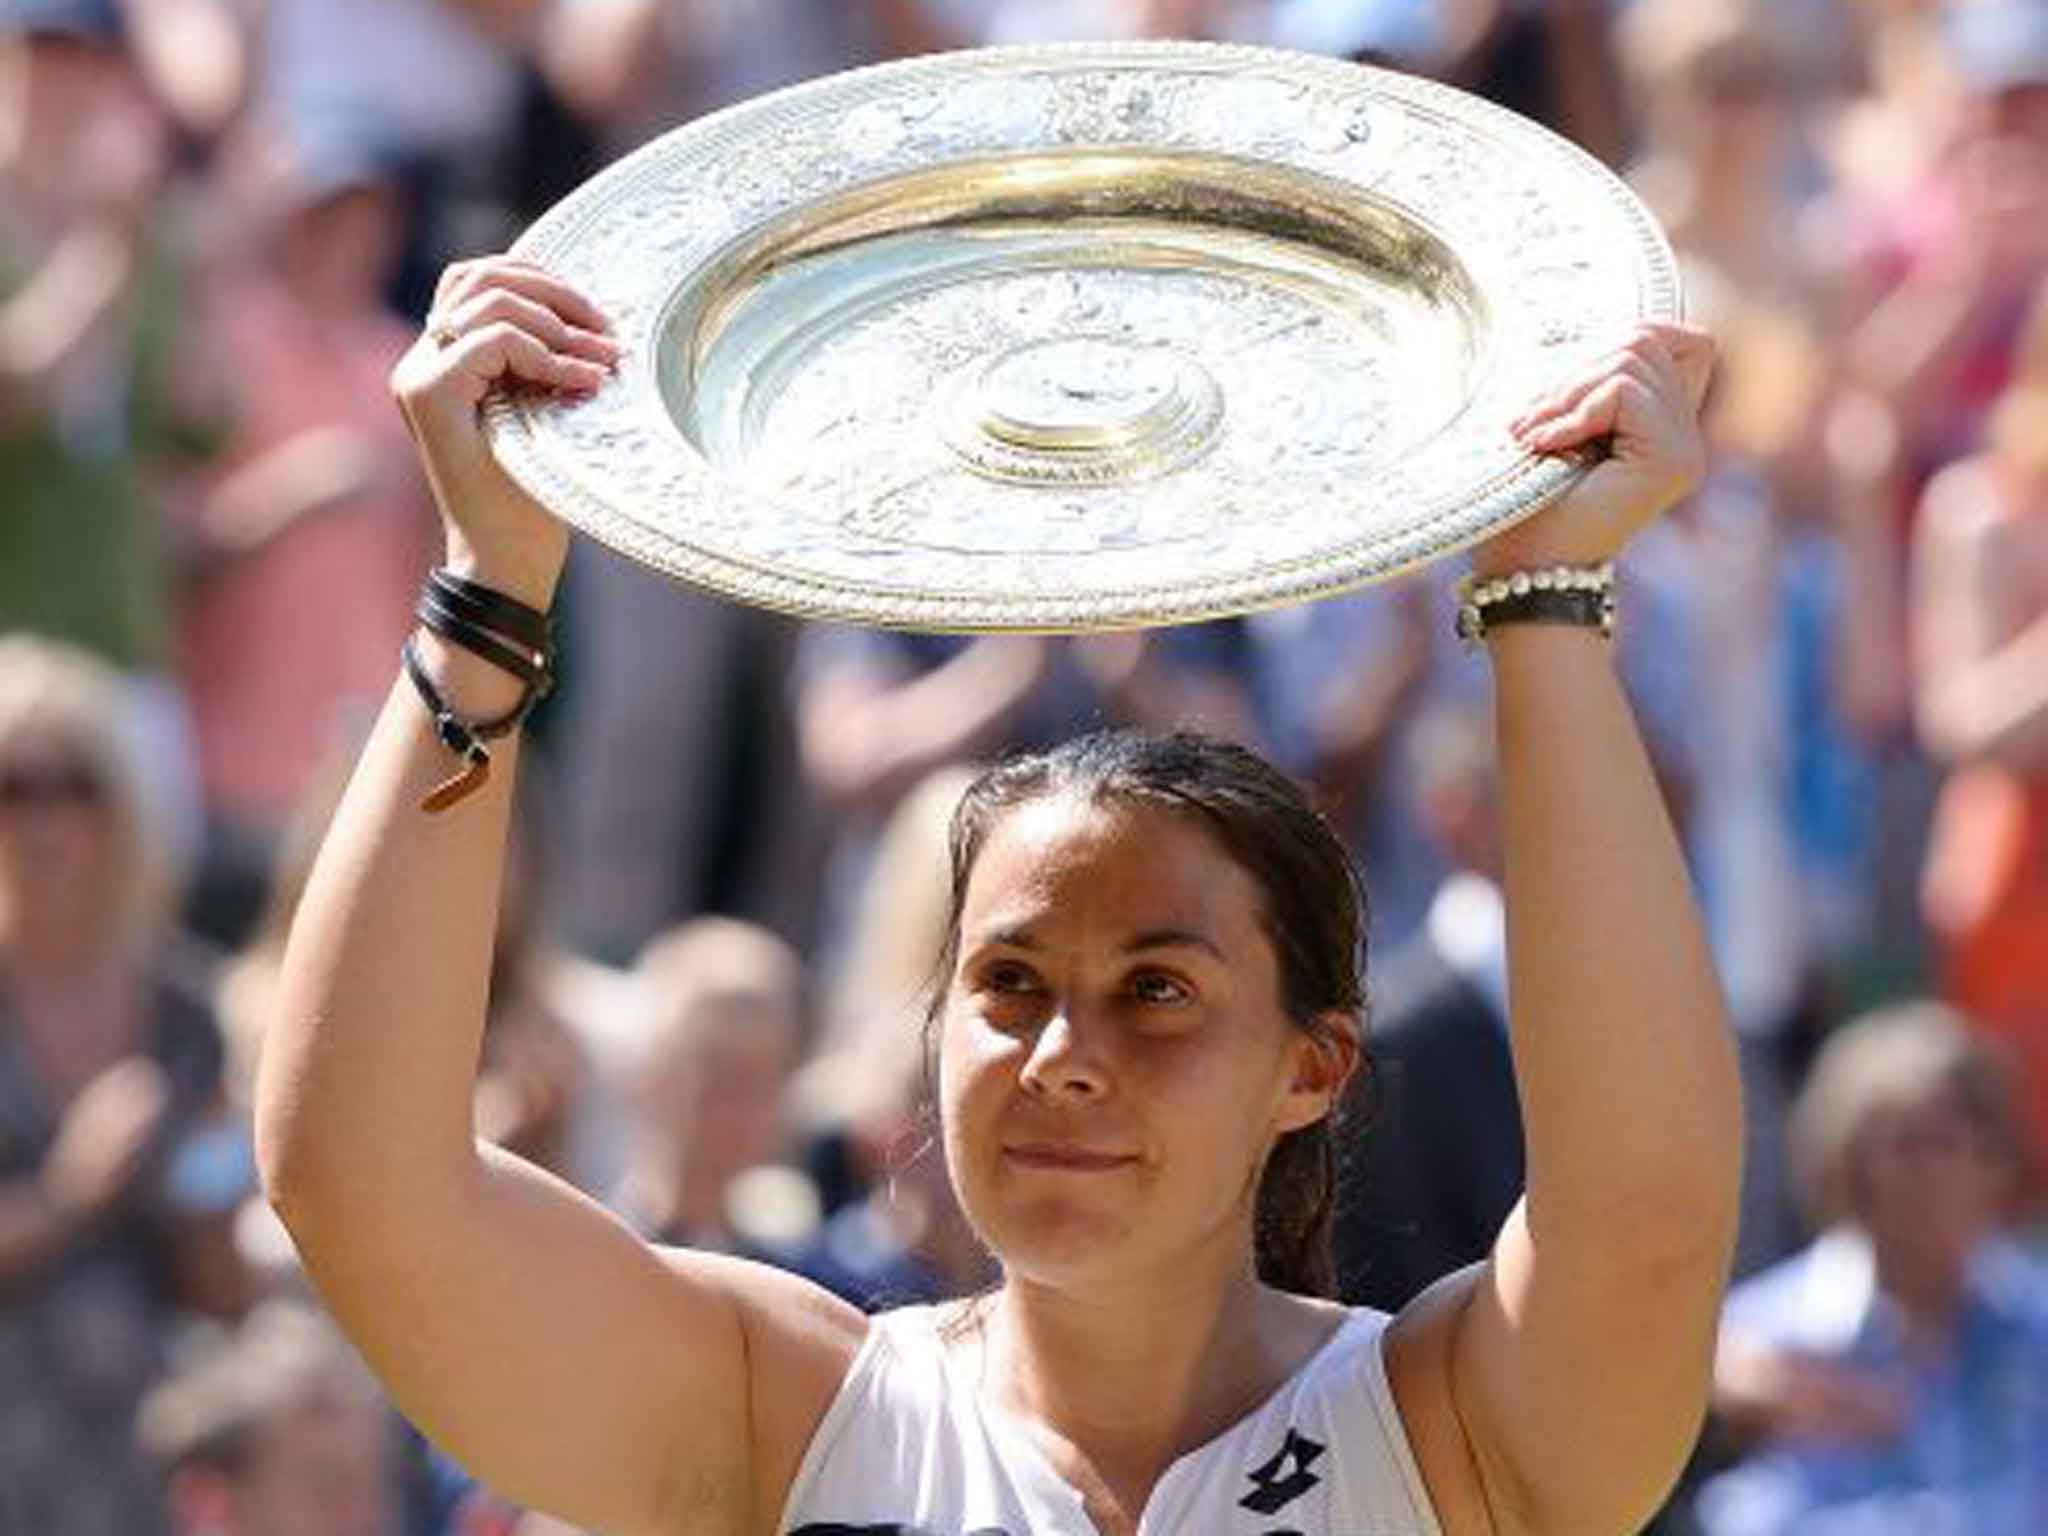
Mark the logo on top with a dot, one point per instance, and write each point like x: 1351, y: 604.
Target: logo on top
x: 1286, y: 1477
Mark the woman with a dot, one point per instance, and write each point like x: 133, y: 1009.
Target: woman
x: 1129, y: 1025
x: 109, y: 1070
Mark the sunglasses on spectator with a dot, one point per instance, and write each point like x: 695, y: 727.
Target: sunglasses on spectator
x: 57, y: 784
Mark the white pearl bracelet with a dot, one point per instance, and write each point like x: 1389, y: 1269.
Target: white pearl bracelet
x: 1558, y: 594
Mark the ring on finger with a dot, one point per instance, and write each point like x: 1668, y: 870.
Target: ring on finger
x: 444, y: 334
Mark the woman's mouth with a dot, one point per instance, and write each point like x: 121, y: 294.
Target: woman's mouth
x: 1065, y: 1157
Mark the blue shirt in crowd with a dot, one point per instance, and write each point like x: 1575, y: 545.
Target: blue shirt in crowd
x: 1972, y: 1459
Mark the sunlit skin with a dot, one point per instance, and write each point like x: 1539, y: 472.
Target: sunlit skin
x: 1115, y: 1061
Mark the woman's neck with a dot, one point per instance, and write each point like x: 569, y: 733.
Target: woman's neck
x: 1123, y: 1377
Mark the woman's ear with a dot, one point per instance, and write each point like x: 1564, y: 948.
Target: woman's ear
x: 1326, y: 1053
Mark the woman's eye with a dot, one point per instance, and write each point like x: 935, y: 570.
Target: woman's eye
x: 1156, y: 987
x: 1008, y: 979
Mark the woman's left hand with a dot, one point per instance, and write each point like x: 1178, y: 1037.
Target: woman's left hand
x: 1644, y: 400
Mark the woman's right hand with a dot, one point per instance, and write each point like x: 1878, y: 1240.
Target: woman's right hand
x: 497, y: 322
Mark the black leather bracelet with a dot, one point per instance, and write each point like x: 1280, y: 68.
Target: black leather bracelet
x: 492, y: 609
x: 465, y: 738
x: 534, y: 668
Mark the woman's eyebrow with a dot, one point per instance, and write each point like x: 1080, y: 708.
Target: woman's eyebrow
x: 1150, y: 939
x: 1007, y: 938
x: 1173, y: 938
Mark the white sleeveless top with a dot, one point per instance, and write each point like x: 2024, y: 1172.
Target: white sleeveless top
x: 908, y: 1448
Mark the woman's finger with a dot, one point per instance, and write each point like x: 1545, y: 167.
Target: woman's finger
x: 1674, y: 358
x: 495, y: 304
x: 453, y: 277
x: 1596, y: 415
x: 466, y: 279
x: 503, y: 352
x: 1629, y: 359
x: 1566, y: 397
x: 1647, y: 359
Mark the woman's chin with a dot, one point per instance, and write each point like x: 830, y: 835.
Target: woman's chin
x: 1053, y: 1240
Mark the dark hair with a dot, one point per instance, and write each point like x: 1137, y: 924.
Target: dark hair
x: 1314, y: 913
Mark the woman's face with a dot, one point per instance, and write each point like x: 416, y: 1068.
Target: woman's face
x: 54, y: 837
x: 1114, y: 1060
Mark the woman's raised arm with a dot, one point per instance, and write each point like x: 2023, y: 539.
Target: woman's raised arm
x: 562, y: 1360
x: 1563, y: 1381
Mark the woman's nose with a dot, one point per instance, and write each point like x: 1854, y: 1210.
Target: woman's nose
x: 1064, y: 1062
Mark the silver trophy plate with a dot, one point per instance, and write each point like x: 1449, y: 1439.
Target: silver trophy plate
x: 1078, y: 337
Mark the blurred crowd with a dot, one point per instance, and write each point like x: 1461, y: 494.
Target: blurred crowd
x: 219, y: 223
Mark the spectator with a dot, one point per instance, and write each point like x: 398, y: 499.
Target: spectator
x: 438, y: 95
x: 273, y: 1430
x: 109, y: 1058
x: 1981, y: 627
x: 87, y: 323
x: 1957, y: 259
x: 725, y: 1022
x: 102, y: 385
x: 1893, y: 1376
x: 314, y: 529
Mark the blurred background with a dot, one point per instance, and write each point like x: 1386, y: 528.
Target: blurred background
x: 219, y: 223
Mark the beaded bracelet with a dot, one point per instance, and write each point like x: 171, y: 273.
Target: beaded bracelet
x: 1558, y: 594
